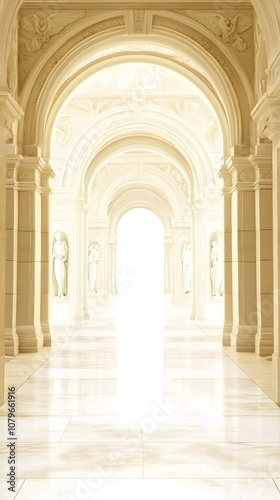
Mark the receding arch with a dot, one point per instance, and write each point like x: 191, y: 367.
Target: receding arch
x: 224, y: 99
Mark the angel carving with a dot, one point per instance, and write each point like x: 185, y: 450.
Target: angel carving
x: 227, y: 29
x: 42, y: 29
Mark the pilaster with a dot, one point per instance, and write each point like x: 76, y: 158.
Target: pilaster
x: 244, y: 329
x: 29, y: 255
x: 10, y: 114
x: 264, y: 249
x: 267, y: 116
x: 11, y: 336
x: 46, y: 175
x: 228, y: 313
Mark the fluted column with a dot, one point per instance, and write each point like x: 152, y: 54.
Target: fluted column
x: 29, y: 255
x: 228, y: 315
x: 198, y: 255
x: 264, y: 249
x: 243, y: 250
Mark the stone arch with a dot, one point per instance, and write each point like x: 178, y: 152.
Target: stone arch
x: 39, y: 119
x: 186, y: 160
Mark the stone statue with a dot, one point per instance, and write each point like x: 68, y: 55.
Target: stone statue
x: 60, y: 258
x: 216, y: 268
x: 93, y: 260
x: 187, y: 267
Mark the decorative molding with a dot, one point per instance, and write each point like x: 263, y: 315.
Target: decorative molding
x: 56, y: 58
x: 163, y: 22
x: 228, y: 30
x: 138, y: 16
x: 42, y: 29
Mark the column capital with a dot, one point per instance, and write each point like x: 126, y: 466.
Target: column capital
x: 29, y: 173
x: 267, y: 114
x: 262, y: 162
x: 226, y: 176
x: 13, y: 164
x: 242, y: 172
x: 47, y: 173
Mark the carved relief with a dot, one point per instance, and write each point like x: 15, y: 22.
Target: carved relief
x: 88, y: 106
x: 138, y: 16
x: 100, y: 176
x: 179, y: 179
x: 63, y: 130
x: 213, y: 131
x: 227, y: 29
x: 97, y: 28
x: 246, y: 177
x: 12, y: 80
x: 26, y: 176
x: 42, y: 29
x: 7, y: 130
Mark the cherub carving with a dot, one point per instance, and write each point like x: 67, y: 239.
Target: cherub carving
x: 227, y: 29
x: 42, y: 29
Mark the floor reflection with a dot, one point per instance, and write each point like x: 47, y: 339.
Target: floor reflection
x: 140, y: 354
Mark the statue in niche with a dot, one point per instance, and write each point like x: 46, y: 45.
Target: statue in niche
x: 216, y: 268
x: 60, y: 258
x: 93, y: 261
x: 187, y: 267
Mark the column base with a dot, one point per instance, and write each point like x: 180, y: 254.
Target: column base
x: 264, y: 342
x: 11, y: 342
x: 31, y: 338
x: 45, y: 327
x: 276, y: 379
x: 227, y: 327
x: 226, y: 339
x: 243, y: 338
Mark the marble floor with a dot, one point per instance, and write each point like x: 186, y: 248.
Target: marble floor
x: 139, y: 403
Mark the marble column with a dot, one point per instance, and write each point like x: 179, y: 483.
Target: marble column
x: 228, y: 315
x: 199, y: 215
x: 243, y: 250
x: 11, y: 336
x: 29, y: 254
x: 264, y: 340
x: 47, y: 173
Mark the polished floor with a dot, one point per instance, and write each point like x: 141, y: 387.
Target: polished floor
x: 140, y: 403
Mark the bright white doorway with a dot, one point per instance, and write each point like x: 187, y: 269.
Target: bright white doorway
x: 140, y: 285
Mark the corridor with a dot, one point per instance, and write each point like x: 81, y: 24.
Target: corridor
x: 203, y: 430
